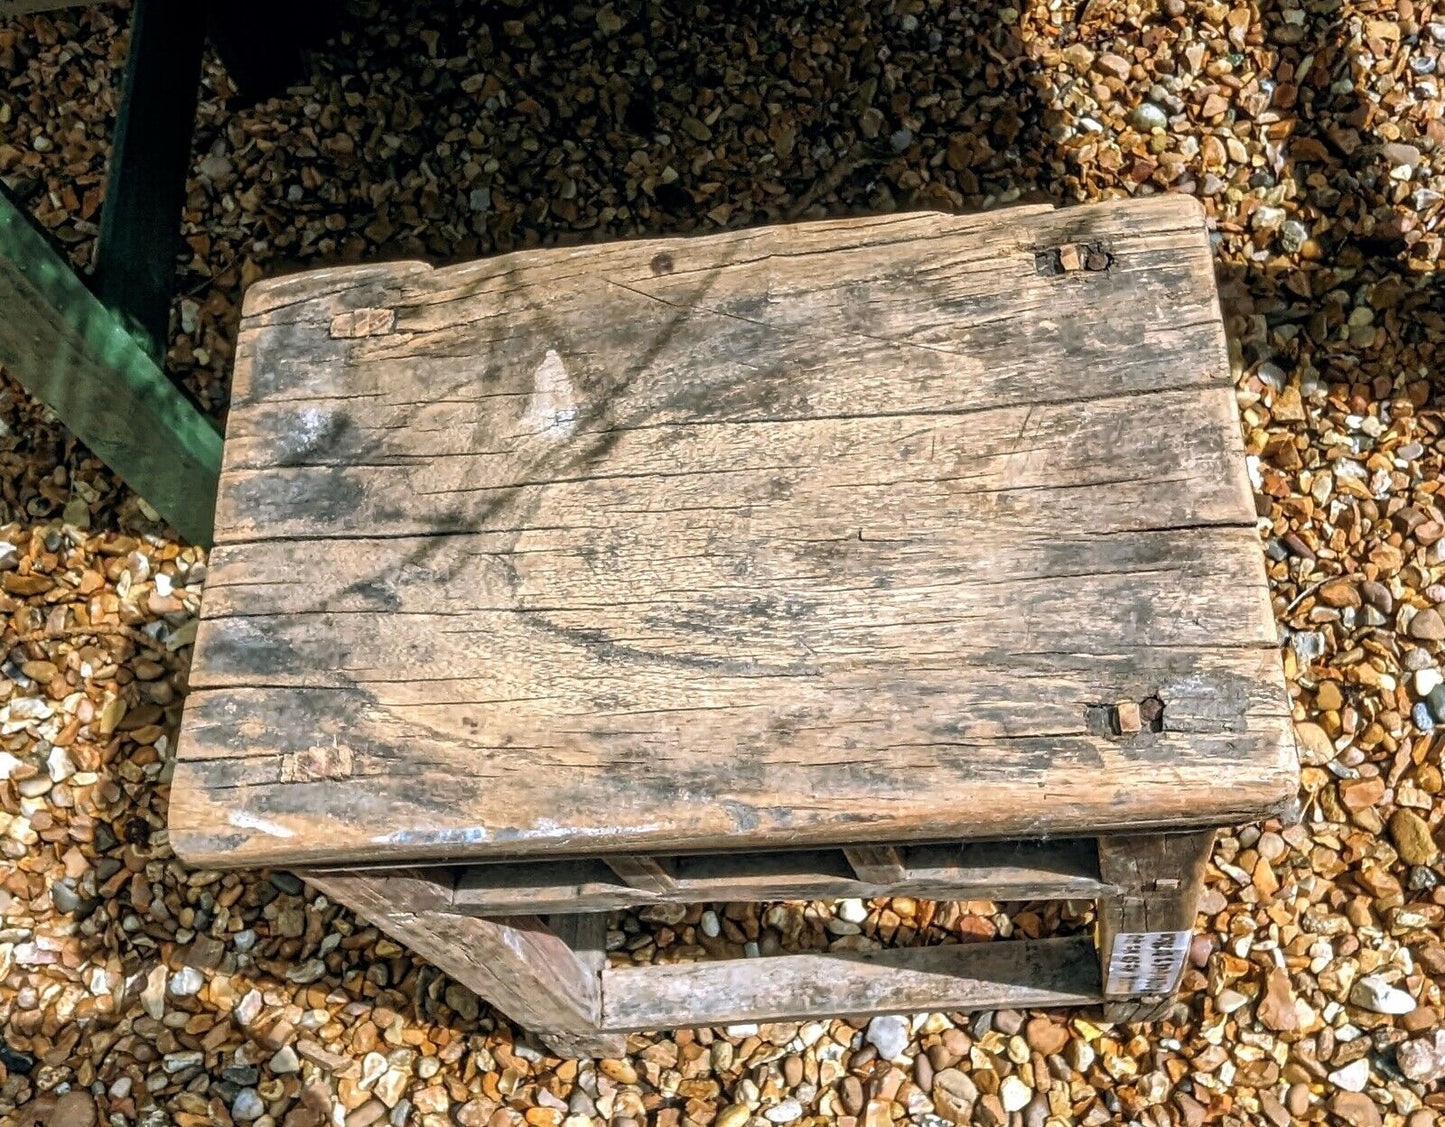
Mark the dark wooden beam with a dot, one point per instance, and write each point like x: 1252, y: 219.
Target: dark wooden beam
x: 73, y: 355
x: 135, y: 258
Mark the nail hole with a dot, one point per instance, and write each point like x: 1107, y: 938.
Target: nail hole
x: 1070, y: 258
x: 662, y: 263
x: 1117, y: 719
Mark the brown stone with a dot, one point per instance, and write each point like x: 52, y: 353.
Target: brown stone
x: 1315, y: 744
x: 1276, y: 1008
x: 1358, y: 794
x: 954, y: 1095
x: 1356, y: 1109
x: 1340, y: 593
x: 1427, y: 626
x: 1412, y: 837
x: 1046, y: 1036
x: 74, y: 1109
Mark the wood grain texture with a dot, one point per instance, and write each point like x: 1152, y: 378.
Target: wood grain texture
x: 1055, y: 870
x: 971, y: 976
x: 831, y: 534
x: 877, y: 864
x: 74, y: 355
x: 1159, y: 878
x: 517, y: 963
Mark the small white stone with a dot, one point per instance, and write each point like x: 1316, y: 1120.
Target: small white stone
x: 1080, y: 1055
x: 59, y: 765
x: 372, y: 1067
x: 1353, y: 1077
x: 1378, y: 996
x: 8, y: 764
x: 888, y: 1033
x: 710, y: 925
x: 1427, y: 679
x: 1014, y: 1093
x: 153, y: 994
x: 187, y: 982
x: 248, y: 1009
x: 784, y: 1112
x: 853, y: 911
x: 391, y: 1085
x: 285, y: 1061
x: 1229, y: 1001
x: 247, y: 1106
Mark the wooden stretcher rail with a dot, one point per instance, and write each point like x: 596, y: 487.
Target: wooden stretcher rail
x: 1046, y: 972
x: 1063, y: 870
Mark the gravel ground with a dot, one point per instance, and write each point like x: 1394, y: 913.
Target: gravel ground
x: 134, y: 992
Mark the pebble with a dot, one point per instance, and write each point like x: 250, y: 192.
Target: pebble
x: 248, y: 1009
x: 852, y: 911
x: 1427, y: 625
x: 889, y: 1034
x: 1014, y: 1094
x: 785, y: 1112
x: 247, y: 1106
x: 153, y: 994
x: 1146, y: 116
x: 390, y: 1087
x: 73, y: 1109
x: 285, y: 1061
x: 180, y: 1062
x: 1378, y: 996
x: 1355, y: 1109
x: 1352, y: 1077
x: 1046, y: 1036
x: 1292, y: 235
x: 1422, y: 1059
x: 1412, y: 837
x: 954, y: 1095
x: 186, y: 982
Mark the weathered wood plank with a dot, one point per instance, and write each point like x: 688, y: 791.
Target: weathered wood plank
x: 71, y: 353
x: 841, y: 532
x: 640, y: 871
x: 1144, y: 929
x: 150, y: 154
x: 1224, y: 706
x: 877, y: 864
x: 1066, y: 870
x: 517, y: 963
x: 1049, y: 972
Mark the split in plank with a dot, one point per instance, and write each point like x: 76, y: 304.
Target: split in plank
x: 838, y: 532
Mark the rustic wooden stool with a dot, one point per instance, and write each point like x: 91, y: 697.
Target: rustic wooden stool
x: 903, y: 555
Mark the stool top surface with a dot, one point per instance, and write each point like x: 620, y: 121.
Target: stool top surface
x: 872, y: 530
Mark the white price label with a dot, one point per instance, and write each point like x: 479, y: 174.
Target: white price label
x: 1146, y: 962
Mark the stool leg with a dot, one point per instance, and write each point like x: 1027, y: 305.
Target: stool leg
x: 1144, y: 929
x: 517, y: 963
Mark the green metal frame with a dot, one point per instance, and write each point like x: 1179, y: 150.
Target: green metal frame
x: 75, y: 356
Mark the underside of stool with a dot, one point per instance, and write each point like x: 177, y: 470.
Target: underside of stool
x: 529, y: 937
